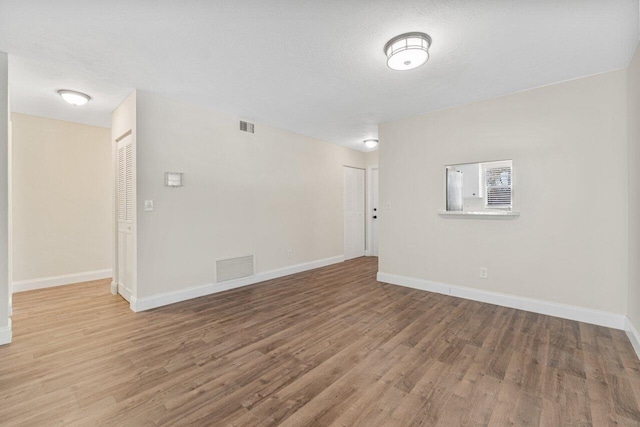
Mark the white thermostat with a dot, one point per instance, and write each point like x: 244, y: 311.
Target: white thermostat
x: 173, y: 179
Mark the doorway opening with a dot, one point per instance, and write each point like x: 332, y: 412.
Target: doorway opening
x: 60, y: 203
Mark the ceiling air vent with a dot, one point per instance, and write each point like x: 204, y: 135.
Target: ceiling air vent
x: 246, y: 127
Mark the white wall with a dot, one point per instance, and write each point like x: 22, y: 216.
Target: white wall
x: 123, y: 118
x: 261, y: 194
x: 5, y: 323
x: 568, y: 145
x: 371, y: 158
x: 61, y: 198
x: 633, y: 91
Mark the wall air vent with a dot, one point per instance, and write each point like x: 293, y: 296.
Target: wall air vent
x: 246, y: 127
x: 234, y: 268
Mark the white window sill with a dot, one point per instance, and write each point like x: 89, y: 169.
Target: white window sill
x: 480, y: 214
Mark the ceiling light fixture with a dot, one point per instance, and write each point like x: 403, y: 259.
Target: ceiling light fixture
x: 371, y: 143
x: 73, y: 97
x: 407, y: 51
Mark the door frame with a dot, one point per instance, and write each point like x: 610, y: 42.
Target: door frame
x: 365, y: 208
x: 369, y: 207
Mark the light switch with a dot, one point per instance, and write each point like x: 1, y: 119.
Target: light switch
x: 148, y: 205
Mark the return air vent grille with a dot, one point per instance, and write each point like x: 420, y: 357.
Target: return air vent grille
x: 246, y: 127
x: 234, y: 268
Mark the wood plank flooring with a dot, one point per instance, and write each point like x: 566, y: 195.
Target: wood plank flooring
x: 327, y: 347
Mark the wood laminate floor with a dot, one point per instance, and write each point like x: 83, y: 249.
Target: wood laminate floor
x: 327, y: 347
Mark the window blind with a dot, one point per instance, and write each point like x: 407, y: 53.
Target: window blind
x: 498, y: 181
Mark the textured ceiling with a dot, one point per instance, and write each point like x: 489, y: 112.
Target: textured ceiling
x: 311, y: 67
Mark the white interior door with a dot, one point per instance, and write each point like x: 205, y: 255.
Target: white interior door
x: 126, y: 217
x: 374, y: 213
x: 354, y: 209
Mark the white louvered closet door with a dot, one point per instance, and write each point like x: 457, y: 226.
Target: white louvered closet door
x: 126, y: 216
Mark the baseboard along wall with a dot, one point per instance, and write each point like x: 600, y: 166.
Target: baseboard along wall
x: 565, y: 311
x: 154, y: 301
x: 5, y: 334
x: 634, y: 335
x: 66, y: 279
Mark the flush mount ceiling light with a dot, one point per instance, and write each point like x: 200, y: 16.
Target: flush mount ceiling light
x: 407, y: 51
x: 73, y: 97
x: 371, y: 143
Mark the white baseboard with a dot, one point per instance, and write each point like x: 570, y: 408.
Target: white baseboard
x: 5, y: 334
x: 154, y: 301
x: 124, y: 293
x: 114, y: 288
x: 66, y: 279
x: 634, y: 336
x: 565, y: 311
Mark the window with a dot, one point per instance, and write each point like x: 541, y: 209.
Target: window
x: 498, y: 184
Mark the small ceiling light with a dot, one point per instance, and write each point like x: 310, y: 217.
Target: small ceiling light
x: 407, y: 51
x: 371, y: 143
x: 73, y: 97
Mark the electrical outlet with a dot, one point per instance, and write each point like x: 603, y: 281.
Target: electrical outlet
x: 290, y: 253
x: 484, y: 272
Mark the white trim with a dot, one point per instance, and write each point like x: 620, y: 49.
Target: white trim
x: 66, y: 279
x: 480, y: 214
x: 114, y: 288
x: 5, y: 334
x: 565, y: 311
x: 159, y: 300
x: 344, y: 218
x: 125, y: 293
x: 634, y: 335
x: 369, y: 208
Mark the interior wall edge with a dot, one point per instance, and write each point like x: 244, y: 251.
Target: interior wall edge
x: 565, y: 311
x: 166, y: 298
x: 5, y: 253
